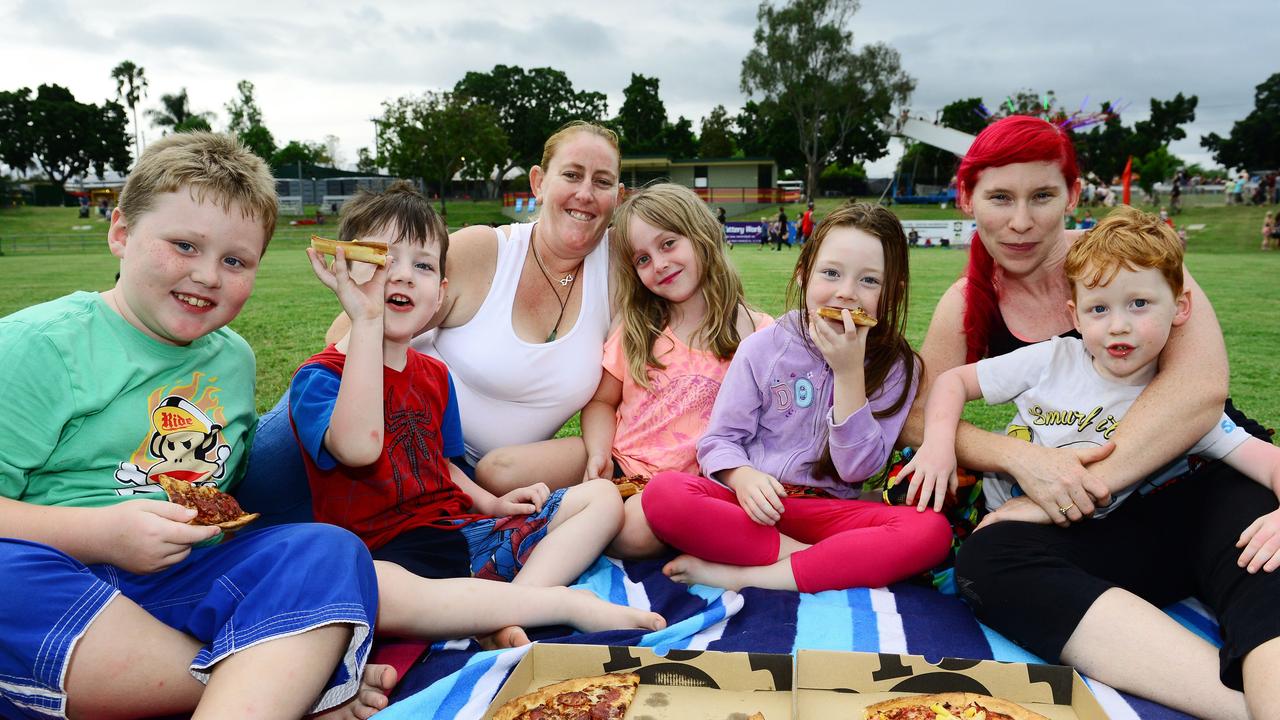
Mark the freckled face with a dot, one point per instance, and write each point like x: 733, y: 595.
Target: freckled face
x: 1126, y: 323
x: 186, y: 267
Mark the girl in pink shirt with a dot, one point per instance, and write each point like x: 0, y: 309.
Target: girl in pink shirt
x: 681, y: 314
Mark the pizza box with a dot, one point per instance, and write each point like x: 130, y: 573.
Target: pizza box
x: 842, y: 684
x: 683, y: 684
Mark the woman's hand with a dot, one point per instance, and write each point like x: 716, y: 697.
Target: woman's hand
x: 360, y: 301
x: 521, y: 501
x: 598, y: 466
x: 1261, y: 543
x: 1058, y: 480
x: 1021, y: 509
x: 933, y: 473
x: 759, y: 494
x: 844, y: 351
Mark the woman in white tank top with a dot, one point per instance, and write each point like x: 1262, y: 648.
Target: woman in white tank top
x: 527, y: 310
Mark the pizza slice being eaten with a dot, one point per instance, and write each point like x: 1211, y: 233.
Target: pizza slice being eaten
x: 605, y: 697
x: 860, y: 316
x: 212, y: 506
x: 950, y: 706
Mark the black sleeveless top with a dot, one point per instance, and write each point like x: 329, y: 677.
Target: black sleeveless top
x: 1002, y: 341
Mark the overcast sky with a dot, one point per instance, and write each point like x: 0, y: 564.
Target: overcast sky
x: 324, y: 67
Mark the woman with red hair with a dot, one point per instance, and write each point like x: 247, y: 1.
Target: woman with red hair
x: 1087, y: 592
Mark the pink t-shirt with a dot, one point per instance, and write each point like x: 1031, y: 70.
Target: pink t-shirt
x: 658, y: 428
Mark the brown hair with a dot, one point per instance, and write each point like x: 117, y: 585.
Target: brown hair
x: 887, y: 344
x: 562, y: 134
x: 401, y: 209
x: 1129, y: 239
x: 679, y: 210
x: 210, y: 166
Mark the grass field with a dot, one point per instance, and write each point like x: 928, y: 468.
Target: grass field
x: 286, y: 318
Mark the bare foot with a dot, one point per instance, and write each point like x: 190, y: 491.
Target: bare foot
x: 589, y: 613
x: 690, y: 570
x: 375, y: 686
x: 508, y: 637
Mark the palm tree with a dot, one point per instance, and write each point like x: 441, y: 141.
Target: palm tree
x: 126, y: 74
x: 177, y: 115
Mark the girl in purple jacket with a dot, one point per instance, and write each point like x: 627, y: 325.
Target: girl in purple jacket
x: 808, y: 410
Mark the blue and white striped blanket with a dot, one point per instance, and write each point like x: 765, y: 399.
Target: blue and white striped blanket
x: 456, y: 680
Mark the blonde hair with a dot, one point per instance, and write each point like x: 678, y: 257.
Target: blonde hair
x: 1128, y: 239
x: 679, y: 210
x: 210, y: 166
x: 562, y: 134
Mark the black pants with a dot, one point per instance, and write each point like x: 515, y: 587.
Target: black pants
x: 1034, y: 583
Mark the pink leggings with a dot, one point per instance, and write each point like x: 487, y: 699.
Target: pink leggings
x: 854, y: 543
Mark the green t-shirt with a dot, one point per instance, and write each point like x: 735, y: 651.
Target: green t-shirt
x: 91, y: 408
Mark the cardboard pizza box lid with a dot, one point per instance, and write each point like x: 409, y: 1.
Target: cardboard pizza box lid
x: 683, y: 684
x: 843, y: 684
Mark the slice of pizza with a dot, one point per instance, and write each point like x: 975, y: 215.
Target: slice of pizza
x: 950, y: 706
x: 212, y: 506
x: 605, y: 697
x: 631, y: 484
x: 860, y: 316
x: 358, y: 250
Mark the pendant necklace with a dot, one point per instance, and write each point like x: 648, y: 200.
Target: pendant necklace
x: 566, y: 281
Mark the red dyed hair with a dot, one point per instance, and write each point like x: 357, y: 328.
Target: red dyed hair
x: 1015, y: 139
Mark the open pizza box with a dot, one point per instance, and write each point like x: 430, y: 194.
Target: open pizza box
x: 843, y: 684
x: 683, y: 684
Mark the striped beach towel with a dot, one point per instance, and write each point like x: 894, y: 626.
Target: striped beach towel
x: 455, y: 679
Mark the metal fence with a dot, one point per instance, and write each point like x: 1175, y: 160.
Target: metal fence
x: 54, y: 243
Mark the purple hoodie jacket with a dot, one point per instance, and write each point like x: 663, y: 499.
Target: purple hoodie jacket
x: 773, y: 413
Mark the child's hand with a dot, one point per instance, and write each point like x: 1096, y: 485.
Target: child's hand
x: 844, y: 351
x: 145, y: 536
x: 1261, y: 543
x: 360, y: 301
x: 598, y: 466
x: 759, y: 494
x: 1021, y: 508
x: 522, y: 501
x: 933, y: 473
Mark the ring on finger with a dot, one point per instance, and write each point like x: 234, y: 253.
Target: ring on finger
x: 1067, y: 509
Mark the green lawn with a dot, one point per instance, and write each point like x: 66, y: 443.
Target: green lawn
x: 289, y: 312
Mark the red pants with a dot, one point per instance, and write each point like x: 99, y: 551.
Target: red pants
x: 855, y: 543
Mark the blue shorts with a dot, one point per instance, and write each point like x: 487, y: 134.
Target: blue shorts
x: 256, y: 587
x: 500, y: 546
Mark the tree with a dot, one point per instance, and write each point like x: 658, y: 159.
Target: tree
x: 17, y: 130
x: 366, y: 162
x: 131, y: 86
x: 1253, y: 142
x: 70, y: 137
x: 530, y: 105
x: 300, y: 152
x: 1153, y: 167
x: 678, y: 139
x: 804, y: 60
x: 716, y: 139
x: 1106, y: 148
x: 928, y: 164
x: 244, y: 120
x: 177, y: 115
x: 765, y: 129
x: 643, y: 116
x: 437, y: 135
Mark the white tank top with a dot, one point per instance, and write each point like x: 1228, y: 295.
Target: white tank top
x: 512, y: 392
